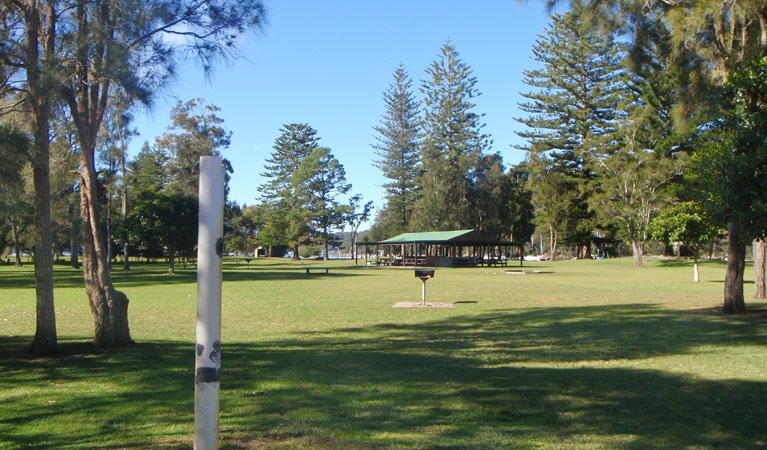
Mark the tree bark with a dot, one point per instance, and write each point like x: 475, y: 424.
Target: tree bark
x: 44, y: 341
x: 760, y: 268
x: 88, y: 102
x: 638, y: 252
x: 109, y: 306
x: 552, y: 244
x: 736, y: 262
x: 16, y: 244
x: 695, y: 273
x: 74, y: 260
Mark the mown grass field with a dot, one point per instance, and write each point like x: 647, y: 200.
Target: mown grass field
x: 595, y: 355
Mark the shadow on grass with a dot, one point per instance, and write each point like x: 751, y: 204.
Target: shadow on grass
x: 501, y: 380
x: 148, y: 275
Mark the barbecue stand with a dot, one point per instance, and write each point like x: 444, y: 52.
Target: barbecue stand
x: 424, y: 274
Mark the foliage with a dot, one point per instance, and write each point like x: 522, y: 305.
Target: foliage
x: 323, y: 180
x: 732, y: 167
x: 283, y: 196
x: 453, y: 145
x: 162, y: 224
x: 572, y: 112
x: 519, y: 203
x: 397, y: 149
x: 198, y: 132
x: 685, y: 222
x: 147, y: 169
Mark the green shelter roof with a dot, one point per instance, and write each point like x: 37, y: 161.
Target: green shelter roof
x: 431, y: 236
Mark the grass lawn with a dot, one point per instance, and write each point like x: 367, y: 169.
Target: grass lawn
x: 595, y: 355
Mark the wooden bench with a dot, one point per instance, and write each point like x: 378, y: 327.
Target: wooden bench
x: 308, y: 269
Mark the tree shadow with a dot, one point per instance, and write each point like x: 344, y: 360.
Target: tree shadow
x: 153, y: 274
x: 506, y: 379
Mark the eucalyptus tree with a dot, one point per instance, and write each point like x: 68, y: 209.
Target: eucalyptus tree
x: 79, y: 52
x: 397, y: 150
x: 197, y: 131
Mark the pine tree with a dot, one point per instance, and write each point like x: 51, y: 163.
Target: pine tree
x: 571, y: 114
x: 323, y: 179
x: 284, y: 204
x: 397, y: 151
x: 147, y: 169
x: 453, y: 144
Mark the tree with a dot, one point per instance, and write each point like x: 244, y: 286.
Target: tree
x: 686, y: 223
x: 724, y: 36
x: 731, y: 172
x: 397, y: 150
x: 571, y: 115
x: 453, y: 144
x: 520, y: 211
x: 631, y: 190
x: 147, y: 169
x: 111, y: 46
x: 162, y: 221
x: 323, y: 180
x: 28, y: 49
x: 14, y: 207
x: 79, y: 52
x: 553, y: 194
x: 356, y: 215
x: 199, y: 132
x: 283, y: 196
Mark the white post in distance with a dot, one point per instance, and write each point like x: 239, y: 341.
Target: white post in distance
x: 210, y: 245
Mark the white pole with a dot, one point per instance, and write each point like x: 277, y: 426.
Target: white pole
x: 208, y: 350
x: 423, y: 291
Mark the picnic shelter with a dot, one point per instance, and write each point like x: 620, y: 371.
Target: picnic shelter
x: 458, y: 248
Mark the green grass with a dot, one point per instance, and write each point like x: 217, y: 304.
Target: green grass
x: 595, y: 355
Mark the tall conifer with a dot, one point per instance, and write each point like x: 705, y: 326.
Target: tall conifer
x: 396, y: 146
x: 453, y: 145
x: 283, y: 193
x: 571, y: 114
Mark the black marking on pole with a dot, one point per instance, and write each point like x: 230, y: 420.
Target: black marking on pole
x: 216, y: 352
x: 200, y: 349
x: 207, y: 375
x: 220, y: 247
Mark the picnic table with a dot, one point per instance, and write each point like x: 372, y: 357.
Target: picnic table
x: 308, y: 269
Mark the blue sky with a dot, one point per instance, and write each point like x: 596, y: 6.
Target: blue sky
x: 327, y: 63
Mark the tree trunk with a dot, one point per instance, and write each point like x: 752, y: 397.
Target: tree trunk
x: 16, y: 244
x: 760, y: 268
x: 736, y: 262
x: 552, y: 244
x: 695, y: 275
x: 296, y: 257
x: 638, y: 252
x: 109, y: 306
x: 45, y: 340
x: 172, y: 263
x: 74, y: 260
x: 668, y: 250
x: 124, y: 196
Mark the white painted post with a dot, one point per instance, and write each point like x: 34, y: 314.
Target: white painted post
x: 208, y: 349
x: 423, y: 291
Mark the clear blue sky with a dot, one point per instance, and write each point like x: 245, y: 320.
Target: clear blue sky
x: 327, y: 63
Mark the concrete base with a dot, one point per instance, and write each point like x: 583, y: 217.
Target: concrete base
x: 423, y: 305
